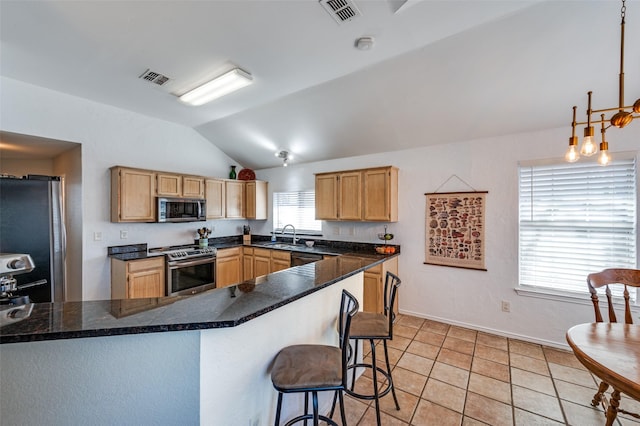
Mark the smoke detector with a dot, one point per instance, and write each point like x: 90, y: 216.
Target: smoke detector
x: 364, y: 43
x: 341, y: 10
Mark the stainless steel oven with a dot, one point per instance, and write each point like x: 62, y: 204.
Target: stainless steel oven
x: 190, y: 270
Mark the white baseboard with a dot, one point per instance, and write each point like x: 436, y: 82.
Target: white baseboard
x: 502, y: 333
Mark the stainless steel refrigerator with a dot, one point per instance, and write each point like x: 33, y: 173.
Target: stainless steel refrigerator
x: 31, y: 222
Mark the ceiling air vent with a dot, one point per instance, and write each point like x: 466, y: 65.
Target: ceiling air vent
x: 341, y: 10
x: 154, y: 77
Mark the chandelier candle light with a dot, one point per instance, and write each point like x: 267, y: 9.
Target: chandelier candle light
x: 620, y: 119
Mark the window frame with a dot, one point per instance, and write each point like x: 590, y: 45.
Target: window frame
x: 310, y: 199
x: 579, y: 295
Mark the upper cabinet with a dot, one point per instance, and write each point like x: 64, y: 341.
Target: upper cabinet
x: 369, y: 195
x: 215, y: 196
x: 172, y: 185
x: 255, y: 201
x: 134, y: 192
x: 234, y: 204
x: 132, y: 195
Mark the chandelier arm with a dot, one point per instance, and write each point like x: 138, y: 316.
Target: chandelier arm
x: 621, y: 77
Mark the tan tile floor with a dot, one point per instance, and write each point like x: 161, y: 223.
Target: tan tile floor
x: 448, y: 375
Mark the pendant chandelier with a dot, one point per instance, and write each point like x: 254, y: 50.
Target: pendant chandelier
x: 623, y: 116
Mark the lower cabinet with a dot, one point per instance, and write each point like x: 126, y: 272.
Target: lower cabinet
x: 373, y: 298
x: 247, y: 263
x: 280, y: 260
x: 261, y: 261
x: 131, y: 279
x: 228, y: 266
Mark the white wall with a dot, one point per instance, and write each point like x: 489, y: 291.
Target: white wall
x: 466, y: 297
x: 109, y: 137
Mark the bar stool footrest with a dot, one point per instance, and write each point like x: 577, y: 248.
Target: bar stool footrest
x: 381, y: 393
x: 310, y: 417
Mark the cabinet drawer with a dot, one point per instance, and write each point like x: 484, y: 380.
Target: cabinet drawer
x: 248, y: 250
x: 282, y: 255
x: 258, y: 252
x: 142, y: 265
x: 375, y: 269
x: 236, y: 251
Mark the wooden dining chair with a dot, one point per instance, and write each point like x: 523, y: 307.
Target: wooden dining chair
x: 606, y: 278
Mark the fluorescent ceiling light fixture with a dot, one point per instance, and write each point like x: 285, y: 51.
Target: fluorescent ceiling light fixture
x: 219, y: 86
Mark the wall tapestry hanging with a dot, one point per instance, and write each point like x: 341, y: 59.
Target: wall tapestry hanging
x: 455, y: 229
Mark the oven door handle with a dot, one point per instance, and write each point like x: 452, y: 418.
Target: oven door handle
x: 182, y: 264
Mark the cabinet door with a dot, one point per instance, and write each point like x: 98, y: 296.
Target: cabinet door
x: 169, y: 185
x: 192, y: 187
x: 146, y: 284
x: 256, y: 200
x: 132, y: 195
x: 372, y: 292
x: 350, y: 196
x: 247, y: 265
x: 234, y: 199
x: 215, y: 197
x: 381, y: 194
x: 280, y: 260
x: 327, y: 197
x: 228, y: 267
x: 261, y: 262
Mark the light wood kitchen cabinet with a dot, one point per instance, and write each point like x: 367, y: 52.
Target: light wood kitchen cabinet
x: 255, y: 200
x: 358, y: 195
x: 228, y: 266
x: 169, y: 185
x: 192, y: 187
x: 373, y: 297
x: 326, y: 196
x: 247, y: 263
x: 216, y: 199
x: 280, y: 260
x: 234, y: 200
x: 174, y: 185
x: 261, y: 261
x: 380, y: 201
x: 139, y: 278
x: 132, y: 195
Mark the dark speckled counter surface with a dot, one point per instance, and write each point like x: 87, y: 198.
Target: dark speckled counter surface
x: 217, y: 308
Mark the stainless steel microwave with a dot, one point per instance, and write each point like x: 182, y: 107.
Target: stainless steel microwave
x: 181, y: 210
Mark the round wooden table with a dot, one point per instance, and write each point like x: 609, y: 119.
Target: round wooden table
x: 611, y: 351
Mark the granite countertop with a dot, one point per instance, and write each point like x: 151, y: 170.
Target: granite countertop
x: 217, y: 308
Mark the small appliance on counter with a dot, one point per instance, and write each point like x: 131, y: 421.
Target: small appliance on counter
x: 246, y: 235
x: 10, y: 265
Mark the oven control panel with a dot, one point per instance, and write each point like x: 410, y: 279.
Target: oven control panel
x: 181, y: 254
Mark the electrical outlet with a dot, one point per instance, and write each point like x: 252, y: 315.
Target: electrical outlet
x: 336, y: 230
x: 352, y: 230
x: 506, y: 306
x: 124, y: 234
x: 97, y: 236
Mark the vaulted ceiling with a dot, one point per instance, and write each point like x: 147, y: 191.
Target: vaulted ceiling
x: 438, y: 72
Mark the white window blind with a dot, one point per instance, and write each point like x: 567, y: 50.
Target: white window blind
x: 575, y: 218
x: 298, y: 209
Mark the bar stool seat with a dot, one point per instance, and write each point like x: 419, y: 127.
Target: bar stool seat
x: 316, y: 368
x: 373, y: 326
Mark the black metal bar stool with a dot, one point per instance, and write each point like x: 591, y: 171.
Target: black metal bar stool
x: 373, y: 326
x: 316, y: 368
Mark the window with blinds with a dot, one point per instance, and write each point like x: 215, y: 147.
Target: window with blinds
x: 298, y: 209
x: 574, y: 219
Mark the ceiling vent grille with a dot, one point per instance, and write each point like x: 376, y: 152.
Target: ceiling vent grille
x: 341, y: 10
x: 154, y: 77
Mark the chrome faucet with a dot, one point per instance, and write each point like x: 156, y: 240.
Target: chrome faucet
x: 294, y: 231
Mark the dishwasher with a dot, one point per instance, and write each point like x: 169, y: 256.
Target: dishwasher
x: 298, y: 258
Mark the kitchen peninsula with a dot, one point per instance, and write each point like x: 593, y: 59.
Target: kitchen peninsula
x: 201, y: 359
